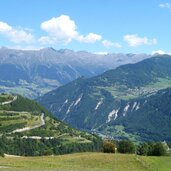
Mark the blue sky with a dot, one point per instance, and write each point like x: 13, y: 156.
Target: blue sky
x: 128, y: 26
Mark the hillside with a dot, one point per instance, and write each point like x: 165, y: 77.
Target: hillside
x: 26, y: 128
x: 118, y: 102
x: 87, y: 162
x: 34, y: 72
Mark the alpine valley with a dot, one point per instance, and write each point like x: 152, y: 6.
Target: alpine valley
x: 32, y: 73
x: 132, y: 101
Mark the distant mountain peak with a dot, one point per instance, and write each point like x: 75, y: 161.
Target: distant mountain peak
x: 66, y: 51
x: 48, y: 49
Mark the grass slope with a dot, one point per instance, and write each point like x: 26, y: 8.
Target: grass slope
x: 26, y: 128
x: 86, y: 162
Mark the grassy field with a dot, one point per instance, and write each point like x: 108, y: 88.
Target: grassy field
x: 123, y: 92
x: 86, y: 162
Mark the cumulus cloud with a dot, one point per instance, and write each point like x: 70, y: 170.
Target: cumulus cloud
x: 15, y: 35
x: 134, y: 40
x: 90, y: 38
x: 166, y: 6
x: 109, y: 44
x: 62, y: 29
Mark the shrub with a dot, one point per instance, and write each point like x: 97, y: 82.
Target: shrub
x: 126, y: 146
x: 157, y: 149
x: 108, y: 147
x: 143, y: 149
x: 152, y: 149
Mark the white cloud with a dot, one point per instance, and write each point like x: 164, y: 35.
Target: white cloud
x: 62, y: 29
x: 15, y: 35
x: 108, y: 44
x: 166, y: 6
x: 90, y: 38
x: 46, y: 40
x: 134, y: 40
x: 4, y: 27
x: 161, y: 52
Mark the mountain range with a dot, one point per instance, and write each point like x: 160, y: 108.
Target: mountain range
x: 32, y: 73
x: 131, y: 101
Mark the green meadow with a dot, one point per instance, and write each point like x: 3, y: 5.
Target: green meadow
x: 86, y: 162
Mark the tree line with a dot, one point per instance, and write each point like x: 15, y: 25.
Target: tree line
x: 38, y: 147
x: 145, y: 148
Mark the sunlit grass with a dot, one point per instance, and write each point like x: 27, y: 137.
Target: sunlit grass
x: 87, y: 162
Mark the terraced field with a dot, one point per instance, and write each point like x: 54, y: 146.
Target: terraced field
x: 29, y: 123
x: 5, y: 97
x: 12, y: 121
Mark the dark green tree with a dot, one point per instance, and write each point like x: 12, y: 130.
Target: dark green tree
x: 157, y: 149
x: 126, y: 146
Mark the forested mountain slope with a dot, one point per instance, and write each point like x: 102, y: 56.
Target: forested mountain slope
x: 116, y: 102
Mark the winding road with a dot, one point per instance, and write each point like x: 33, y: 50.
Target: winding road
x: 10, y: 101
x: 42, y: 122
x: 42, y: 118
x: 33, y: 127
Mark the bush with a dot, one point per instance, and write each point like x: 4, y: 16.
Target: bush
x: 157, y: 149
x: 108, y: 147
x: 143, y: 149
x: 152, y: 149
x: 126, y: 146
